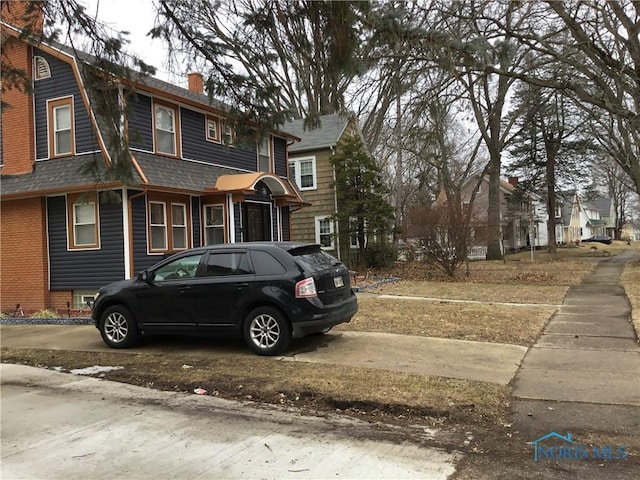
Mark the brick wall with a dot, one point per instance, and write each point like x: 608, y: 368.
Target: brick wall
x: 23, y: 256
x: 18, y: 137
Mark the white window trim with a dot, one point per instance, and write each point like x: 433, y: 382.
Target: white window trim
x: 296, y: 165
x: 216, y: 120
x: 224, y: 223
x: 164, y: 225
x: 77, y: 224
x: 184, y: 226
x: 268, y: 142
x: 356, y: 245
x: 69, y: 107
x: 331, y: 232
x: 174, y: 131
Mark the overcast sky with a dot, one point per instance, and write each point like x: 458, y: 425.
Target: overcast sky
x: 136, y: 17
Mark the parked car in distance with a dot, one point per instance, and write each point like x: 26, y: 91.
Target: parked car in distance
x: 268, y: 292
x: 599, y: 238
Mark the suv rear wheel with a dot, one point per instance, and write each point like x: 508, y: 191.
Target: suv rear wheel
x: 266, y: 331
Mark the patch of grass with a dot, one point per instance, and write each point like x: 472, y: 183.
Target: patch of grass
x: 479, y: 322
x: 630, y: 280
x: 318, y: 387
x: 45, y: 314
x: 483, y: 292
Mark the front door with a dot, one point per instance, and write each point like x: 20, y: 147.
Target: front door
x: 256, y: 222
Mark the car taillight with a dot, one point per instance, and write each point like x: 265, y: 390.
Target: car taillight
x: 306, y: 288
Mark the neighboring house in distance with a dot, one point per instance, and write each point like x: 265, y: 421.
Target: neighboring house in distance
x: 523, y: 215
x: 577, y: 220
x: 61, y: 241
x: 310, y: 167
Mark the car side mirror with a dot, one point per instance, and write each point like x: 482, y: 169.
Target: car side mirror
x: 144, y: 276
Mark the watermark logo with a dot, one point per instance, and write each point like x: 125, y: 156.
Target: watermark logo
x: 554, y: 446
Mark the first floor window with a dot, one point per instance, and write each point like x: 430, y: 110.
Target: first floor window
x: 158, y: 225
x: 214, y: 224
x: 84, y: 224
x: 324, y: 232
x: 168, y: 225
x: 82, y: 221
x: 179, y: 226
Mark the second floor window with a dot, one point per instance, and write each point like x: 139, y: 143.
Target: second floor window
x: 264, y: 155
x: 303, y: 172
x: 213, y: 129
x: 165, y: 118
x: 61, y: 140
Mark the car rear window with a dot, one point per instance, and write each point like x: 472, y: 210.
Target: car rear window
x: 314, y: 260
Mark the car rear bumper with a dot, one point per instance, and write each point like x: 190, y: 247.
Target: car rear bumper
x: 329, y: 316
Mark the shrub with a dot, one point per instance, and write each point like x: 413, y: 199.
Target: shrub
x: 378, y: 255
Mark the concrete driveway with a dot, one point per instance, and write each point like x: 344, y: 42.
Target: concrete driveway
x: 486, y: 362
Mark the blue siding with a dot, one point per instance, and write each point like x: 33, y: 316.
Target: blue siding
x: 141, y: 260
x: 280, y: 156
x: 62, y: 83
x: 196, y: 213
x: 285, y: 223
x: 196, y: 147
x: 85, y: 269
x: 141, y: 123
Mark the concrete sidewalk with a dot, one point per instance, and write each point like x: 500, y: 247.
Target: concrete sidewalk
x: 588, y: 351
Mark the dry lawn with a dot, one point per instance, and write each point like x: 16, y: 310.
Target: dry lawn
x: 462, y: 321
x: 631, y: 281
x: 353, y: 390
x: 482, y: 292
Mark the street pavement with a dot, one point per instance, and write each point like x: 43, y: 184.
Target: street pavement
x: 63, y: 426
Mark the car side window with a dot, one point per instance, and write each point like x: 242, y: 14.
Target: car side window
x: 227, y: 263
x: 265, y: 264
x: 183, y: 268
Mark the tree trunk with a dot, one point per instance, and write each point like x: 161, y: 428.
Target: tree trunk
x: 551, y: 200
x: 494, y: 233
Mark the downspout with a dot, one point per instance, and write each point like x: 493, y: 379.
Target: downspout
x: 335, y: 205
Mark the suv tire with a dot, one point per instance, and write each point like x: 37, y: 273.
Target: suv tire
x: 266, y: 331
x: 118, y: 328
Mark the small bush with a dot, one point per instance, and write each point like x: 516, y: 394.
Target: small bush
x: 45, y: 314
x: 379, y: 255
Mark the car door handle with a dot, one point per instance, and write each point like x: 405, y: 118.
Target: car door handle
x: 241, y: 285
x: 184, y: 288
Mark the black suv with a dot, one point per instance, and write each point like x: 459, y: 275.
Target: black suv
x: 267, y: 292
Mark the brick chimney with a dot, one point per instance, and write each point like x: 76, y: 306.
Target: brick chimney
x: 196, y: 82
x: 18, y: 125
x: 513, y: 181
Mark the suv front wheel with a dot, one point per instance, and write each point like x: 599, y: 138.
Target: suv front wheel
x: 266, y: 331
x: 118, y: 328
